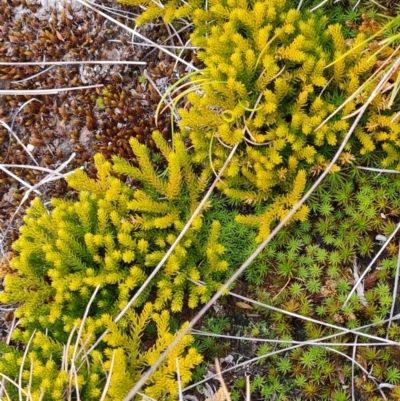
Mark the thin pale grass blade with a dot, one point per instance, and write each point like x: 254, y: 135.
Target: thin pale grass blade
x: 299, y: 5
x: 5, y: 391
x: 56, y: 63
x: 171, y: 249
x: 183, y: 47
x: 34, y: 92
x: 20, y: 180
x: 353, y: 390
x: 173, y: 102
x: 386, y: 385
x: 178, y: 375
x: 11, y: 131
x: 12, y: 127
x: 32, y: 76
x: 41, y: 395
x: 146, y: 397
x: 252, y: 257
x: 395, y: 117
x: 84, y: 359
x: 394, y: 293
x: 21, y: 369
x: 383, y: 44
x: 249, y: 362
x: 29, y: 396
x: 295, y: 342
x: 112, y: 10
x: 360, y: 367
x: 221, y: 142
x: 325, y: 87
x: 75, y: 377
x: 264, y: 49
x: 222, y: 381
x: 138, y: 34
x: 395, y: 91
x: 14, y: 324
x: 376, y: 75
x: 12, y: 382
x: 316, y: 342
x: 45, y: 180
x: 171, y: 89
x: 248, y: 388
x: 319, y: 5
x: 343, y: 330
x: 378, y: 170
x: 147, y: 76
x: 85, y: 315
x: 108, y: 382
x: 363, y: 43
x: 360, y: 288
x: 276, y: 75
x: 64, y: 363
x: 38, y: 168
x: 72, y: 62
x: 170, y: 28
x: 348, y: 100
x: 210, y: 158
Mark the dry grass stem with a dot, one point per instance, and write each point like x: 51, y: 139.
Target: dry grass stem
x: 222, y: 381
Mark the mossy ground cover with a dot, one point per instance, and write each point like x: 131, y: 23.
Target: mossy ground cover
x: 115, y: 271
